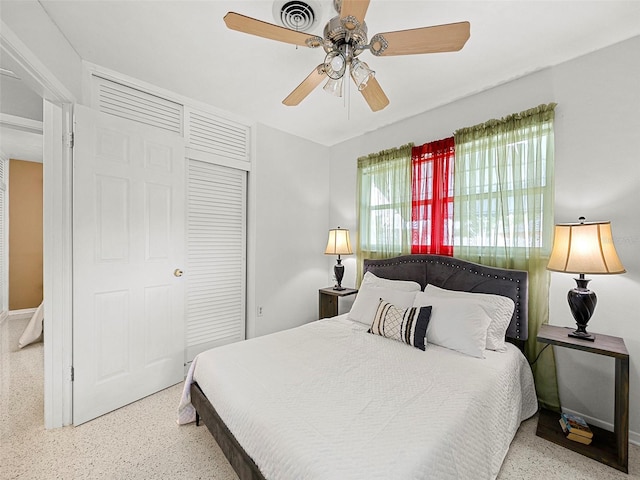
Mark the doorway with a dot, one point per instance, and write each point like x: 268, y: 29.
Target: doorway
x: 20, y: 146
x: 21, y: 223
x: 54, y: 102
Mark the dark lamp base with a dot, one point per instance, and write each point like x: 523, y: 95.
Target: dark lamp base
x: 582, y: 303
x: 338, y: 271
x: 582, y: 335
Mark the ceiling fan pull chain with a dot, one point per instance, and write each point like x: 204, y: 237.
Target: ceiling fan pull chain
x: 348, y: 100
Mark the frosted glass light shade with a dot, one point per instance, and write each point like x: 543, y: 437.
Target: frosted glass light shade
x: 338, y: 243
x: 584, y: 248
x: 361, y: 73
x: 334, y: 87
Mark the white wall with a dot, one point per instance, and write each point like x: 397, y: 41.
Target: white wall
x: 597, y: 175
x: 290, y: 228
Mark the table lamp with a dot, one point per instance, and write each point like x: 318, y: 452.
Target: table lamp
x: 338, y: 244
x: 583, y: 248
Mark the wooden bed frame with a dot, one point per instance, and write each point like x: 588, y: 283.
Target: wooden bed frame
x: 441, y: 271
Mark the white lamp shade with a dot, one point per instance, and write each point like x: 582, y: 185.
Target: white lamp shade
x: 339, y: 243
x: 584, y: 248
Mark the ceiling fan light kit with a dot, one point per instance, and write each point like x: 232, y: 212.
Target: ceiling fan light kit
x: 345, y: 37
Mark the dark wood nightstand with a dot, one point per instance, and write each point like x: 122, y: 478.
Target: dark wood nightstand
x: 610, y: 448
x: 329, y: 300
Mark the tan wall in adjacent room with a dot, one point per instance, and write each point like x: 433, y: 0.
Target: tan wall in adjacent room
x: 25, y: 234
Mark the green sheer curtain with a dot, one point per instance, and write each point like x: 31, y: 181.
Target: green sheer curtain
x: 384, y: 205
x: 503, y: 213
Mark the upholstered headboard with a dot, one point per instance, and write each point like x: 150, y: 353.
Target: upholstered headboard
x: 455, y: 274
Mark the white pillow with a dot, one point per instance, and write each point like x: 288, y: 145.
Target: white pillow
x: 457, y: 325
x: 498, y: 308
x: 368, y: 298
x: 404, y: 285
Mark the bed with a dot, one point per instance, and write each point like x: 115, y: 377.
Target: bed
x: 331, y: 400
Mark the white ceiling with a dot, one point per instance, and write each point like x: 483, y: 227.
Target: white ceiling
x: 185, y: 47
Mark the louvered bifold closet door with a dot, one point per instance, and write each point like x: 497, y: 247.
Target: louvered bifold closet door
x: 216, y: 256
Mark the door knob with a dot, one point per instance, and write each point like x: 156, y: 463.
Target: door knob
x: 177, y: 272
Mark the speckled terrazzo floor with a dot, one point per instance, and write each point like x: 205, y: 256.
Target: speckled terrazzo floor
x: 142, y: 440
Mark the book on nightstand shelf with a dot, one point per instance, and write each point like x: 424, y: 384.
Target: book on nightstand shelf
x: 575, y: 428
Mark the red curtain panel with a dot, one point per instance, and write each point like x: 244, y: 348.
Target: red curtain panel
x: 432, y: 197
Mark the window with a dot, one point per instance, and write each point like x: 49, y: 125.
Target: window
x: 497, y: 199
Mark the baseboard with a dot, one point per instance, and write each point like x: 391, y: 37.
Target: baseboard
x: 21, y: 314
x: 634, y: 437
x: 3, y: 316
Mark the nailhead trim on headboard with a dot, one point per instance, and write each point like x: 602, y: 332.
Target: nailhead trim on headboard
x: 516, y: 329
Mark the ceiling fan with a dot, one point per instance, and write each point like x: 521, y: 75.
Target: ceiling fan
x: 345, y: 37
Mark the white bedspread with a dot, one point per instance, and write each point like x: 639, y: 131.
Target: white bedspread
x: 329, y: 401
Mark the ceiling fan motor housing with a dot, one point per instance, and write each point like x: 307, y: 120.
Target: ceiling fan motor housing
x: 336, y: 35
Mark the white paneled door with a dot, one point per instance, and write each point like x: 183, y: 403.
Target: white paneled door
x: 128, y: 250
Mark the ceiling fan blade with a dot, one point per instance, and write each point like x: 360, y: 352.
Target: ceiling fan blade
x: 306, y: 87
x: 353, y: 8
x: 440, y: 38
x: 374, y: 95
x: 252, y: 26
